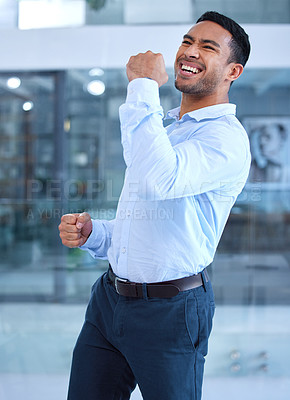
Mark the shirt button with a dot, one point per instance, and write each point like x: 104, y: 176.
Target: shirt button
x: 123, y: 250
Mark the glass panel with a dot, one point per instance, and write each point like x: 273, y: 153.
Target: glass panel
x: 26, y: 162
x: 254, y: 251
x: 30, y: 187
x: 55, y: 160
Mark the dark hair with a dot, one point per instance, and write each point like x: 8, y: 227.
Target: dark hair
x: 240, y: 45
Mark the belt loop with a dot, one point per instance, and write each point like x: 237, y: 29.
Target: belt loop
x: 203, y: 280
x: 144, y: 291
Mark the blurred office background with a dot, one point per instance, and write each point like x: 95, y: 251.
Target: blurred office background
x: 62, y: 80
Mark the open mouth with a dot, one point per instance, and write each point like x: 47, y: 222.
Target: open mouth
x: 189, y: 69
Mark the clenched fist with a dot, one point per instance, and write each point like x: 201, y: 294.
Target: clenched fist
x: 147, y: 65
x: 75, y: 229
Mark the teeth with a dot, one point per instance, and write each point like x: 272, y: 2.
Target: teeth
x: 190, y: 69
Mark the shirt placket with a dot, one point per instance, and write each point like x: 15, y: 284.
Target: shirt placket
x: 127, y: 205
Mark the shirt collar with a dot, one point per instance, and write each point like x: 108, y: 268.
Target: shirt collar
x: 210, y: 112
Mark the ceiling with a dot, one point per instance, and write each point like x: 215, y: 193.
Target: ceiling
x: 187, y: 11
x: 145, y: 12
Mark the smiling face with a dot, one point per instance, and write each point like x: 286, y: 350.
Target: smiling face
x: 201, y: 65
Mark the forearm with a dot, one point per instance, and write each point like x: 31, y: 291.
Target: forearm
x: 147, y: 149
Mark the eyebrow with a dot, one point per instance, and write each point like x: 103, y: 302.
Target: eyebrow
x: 202, y: 40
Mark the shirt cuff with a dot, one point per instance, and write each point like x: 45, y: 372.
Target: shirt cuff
x: 95, y: 237
x: 143, y: 90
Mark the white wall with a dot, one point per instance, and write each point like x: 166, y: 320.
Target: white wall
x: 111, y: 46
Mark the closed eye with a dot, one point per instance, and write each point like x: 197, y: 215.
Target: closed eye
x: 208, y: 47
x: 186, y: 42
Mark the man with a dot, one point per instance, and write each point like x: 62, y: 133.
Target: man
x: 150, y: 315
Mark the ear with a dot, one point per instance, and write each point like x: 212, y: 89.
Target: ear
x: 235, y: 71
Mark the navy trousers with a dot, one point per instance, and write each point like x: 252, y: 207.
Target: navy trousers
x: 158, y: 343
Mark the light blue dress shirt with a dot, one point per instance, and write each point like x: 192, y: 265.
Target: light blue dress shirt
x: 180, y: 185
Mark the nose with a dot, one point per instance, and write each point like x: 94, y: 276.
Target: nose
x: 192, y: 51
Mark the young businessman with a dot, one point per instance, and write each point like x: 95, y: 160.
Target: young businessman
x: 150, y: 316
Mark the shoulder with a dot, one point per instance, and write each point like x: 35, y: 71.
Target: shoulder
x: 225, y: 136
x: 224, y: 131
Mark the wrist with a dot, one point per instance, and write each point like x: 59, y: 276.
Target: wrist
x: 143, y: 90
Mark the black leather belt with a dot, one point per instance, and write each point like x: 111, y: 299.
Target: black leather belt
x: 165, y: 289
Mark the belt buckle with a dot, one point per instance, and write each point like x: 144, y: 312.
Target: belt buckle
x: 117, y: 279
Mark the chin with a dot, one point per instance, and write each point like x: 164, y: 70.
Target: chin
x: 185, y: 88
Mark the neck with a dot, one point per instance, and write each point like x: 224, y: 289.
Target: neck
x: 191, y: 102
